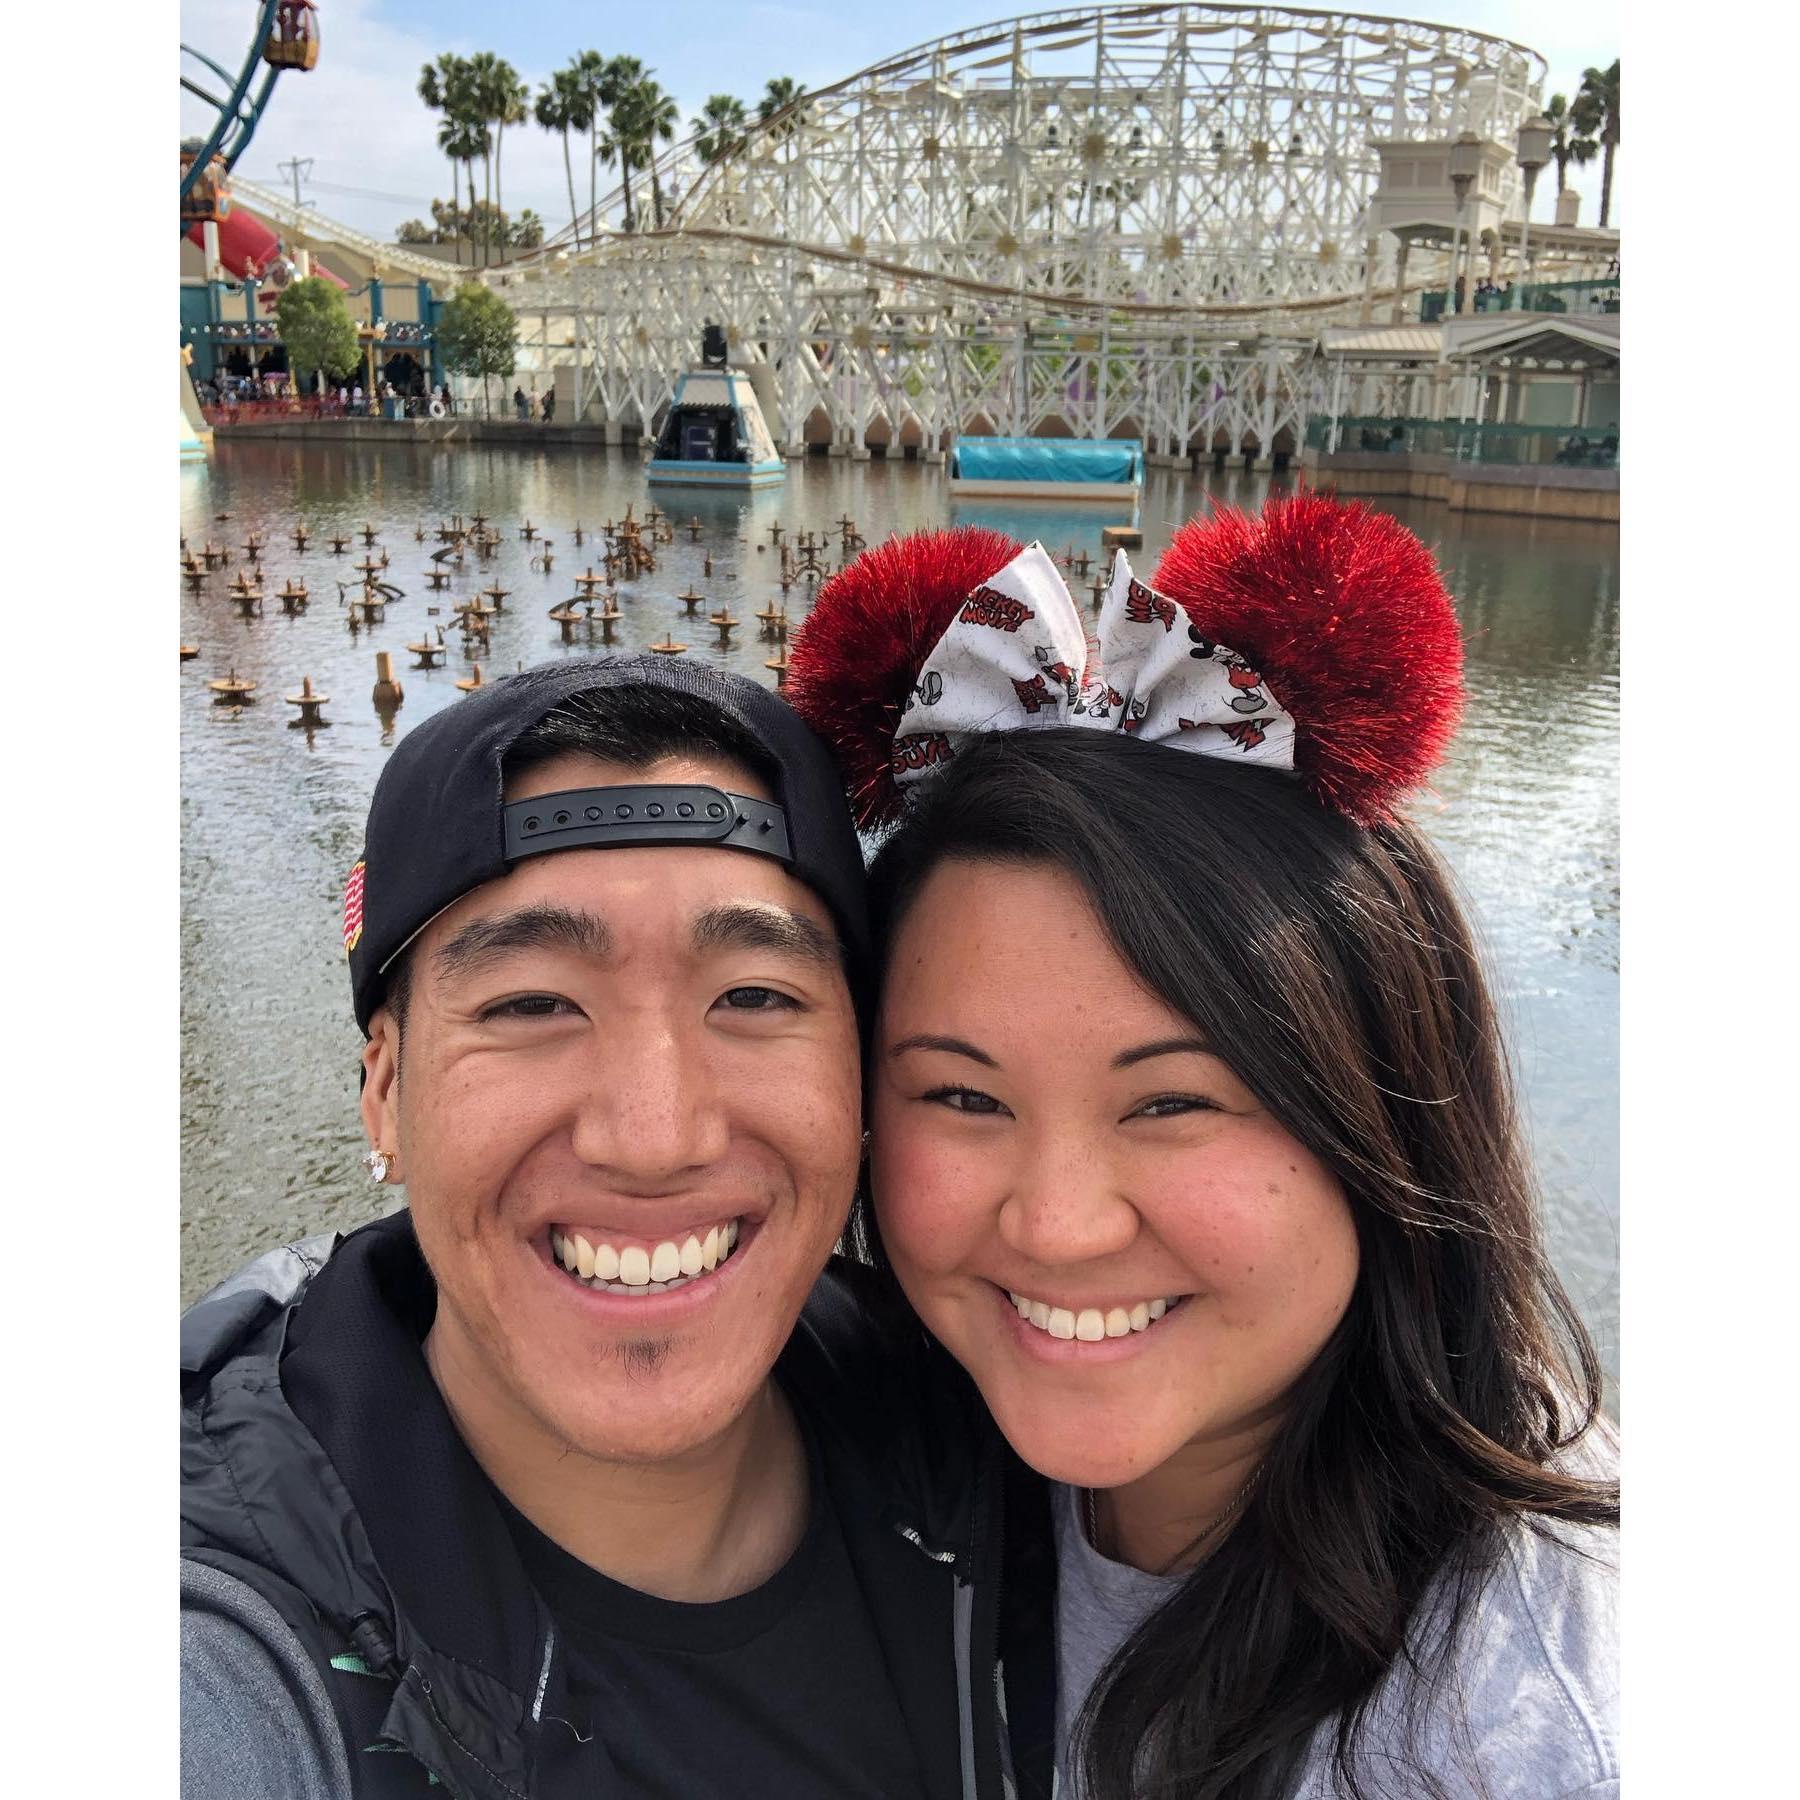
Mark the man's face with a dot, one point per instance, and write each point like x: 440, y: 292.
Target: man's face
x: 637, y: 1060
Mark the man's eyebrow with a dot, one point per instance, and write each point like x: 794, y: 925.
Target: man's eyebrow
x: 926, y: 1040
x: 748, y: 925
x: 481, y: 941
x: 1174, y: 1046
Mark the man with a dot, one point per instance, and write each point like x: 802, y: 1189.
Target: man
x: 534, y: 1488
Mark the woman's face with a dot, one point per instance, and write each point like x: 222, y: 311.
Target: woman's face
x: 1082, y: 1201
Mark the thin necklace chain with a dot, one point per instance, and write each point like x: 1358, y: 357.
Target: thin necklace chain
x: 1091, y: 1520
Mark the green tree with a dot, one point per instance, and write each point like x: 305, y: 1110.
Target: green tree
x: 440, y: 86
x: 478, y: 334
x: 1567, y: 145
x: 563, y: 105
x: 526, y: 232
x: 618, y: 81
x: 781, y: 93
x: 415, y: 231
x: 463, y: 140
x: 779, y: 111
x: 720, y: 128
x: 654, y: 115
x: 510, y: 99
x: 316, y: 328
x: 588, y: 72
x: 484, y: 101
x: 1596, y: 115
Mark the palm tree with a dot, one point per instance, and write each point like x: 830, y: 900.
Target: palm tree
x: 1596, y: 115
x: 526, y: 232
x: 1567, y: 145
x: 654, y: 115
x: 720, y: 127
x: 778, y: 96
x: 618, y: 82
x: 511, y: 103
x: 560, y: 105
x: 488, y: 101
x: 588, y: 72
x: 439, y: 82
x: 463, y: 139
x: 781, y: 101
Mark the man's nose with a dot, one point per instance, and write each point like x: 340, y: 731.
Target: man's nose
x: 652, y: 1112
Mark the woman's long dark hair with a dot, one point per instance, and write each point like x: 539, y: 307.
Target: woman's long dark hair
x: 1333, y: 969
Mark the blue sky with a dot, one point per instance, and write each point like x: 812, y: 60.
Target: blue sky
x: 357, y: 115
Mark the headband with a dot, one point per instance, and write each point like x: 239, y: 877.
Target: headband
x: 1316, y: 638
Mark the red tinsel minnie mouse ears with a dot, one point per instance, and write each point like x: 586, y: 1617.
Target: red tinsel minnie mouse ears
x: 1323, y: 626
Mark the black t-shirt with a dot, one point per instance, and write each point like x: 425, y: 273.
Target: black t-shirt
x: 781, y: 1692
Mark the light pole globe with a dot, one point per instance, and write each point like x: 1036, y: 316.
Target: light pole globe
x: 1534, y: 141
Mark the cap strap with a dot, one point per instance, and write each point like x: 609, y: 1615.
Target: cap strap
x: 585, y: 818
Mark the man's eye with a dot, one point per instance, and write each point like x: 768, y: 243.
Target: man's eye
x: 966, y: 1100
x: 528, y: 1006
x: 758, y: 999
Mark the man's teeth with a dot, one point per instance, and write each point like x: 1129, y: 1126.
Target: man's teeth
x: 1090, y: 1325
x: 635, y: 1270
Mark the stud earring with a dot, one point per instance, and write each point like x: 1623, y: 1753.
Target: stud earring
x: 376, y: 1162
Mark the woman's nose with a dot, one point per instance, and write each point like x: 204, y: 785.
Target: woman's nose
x: 1067, y: 1208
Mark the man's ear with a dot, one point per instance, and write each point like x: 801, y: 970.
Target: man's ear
x: 381, y: 1083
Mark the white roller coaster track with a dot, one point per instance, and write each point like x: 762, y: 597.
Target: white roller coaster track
x: 312, y: 227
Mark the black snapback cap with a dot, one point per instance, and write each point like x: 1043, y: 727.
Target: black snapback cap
x: 439, y: 824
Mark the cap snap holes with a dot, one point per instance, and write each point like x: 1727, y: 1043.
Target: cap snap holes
x: 562, y: 818
x: 714, y: 810
x: 593, y: 812
x: 622, y: 810
x: 533, y: 822
x: 654, y: 810
x: 686, y: 809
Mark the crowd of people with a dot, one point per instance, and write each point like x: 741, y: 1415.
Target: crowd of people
x: 344, y: 399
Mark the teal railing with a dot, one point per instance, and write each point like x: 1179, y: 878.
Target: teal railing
x: 1536, y: 296
x: 1514, y: 446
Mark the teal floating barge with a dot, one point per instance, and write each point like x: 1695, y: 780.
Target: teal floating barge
x: 1027, y: 468
x: 715, y: 435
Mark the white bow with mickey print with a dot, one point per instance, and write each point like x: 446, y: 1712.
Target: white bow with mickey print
x: 1017, y: 656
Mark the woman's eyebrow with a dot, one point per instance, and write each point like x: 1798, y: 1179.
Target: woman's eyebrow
x: 955, y: 1046
x: 1175, y: 1046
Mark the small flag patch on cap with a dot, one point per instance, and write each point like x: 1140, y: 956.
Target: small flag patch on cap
x: 353, y: 908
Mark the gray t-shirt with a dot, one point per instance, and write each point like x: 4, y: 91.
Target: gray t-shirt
x: 1535, y: 1669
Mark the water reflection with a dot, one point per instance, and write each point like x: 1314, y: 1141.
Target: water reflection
x: 1526, y: 809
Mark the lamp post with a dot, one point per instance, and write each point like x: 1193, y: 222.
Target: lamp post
x: 1465, y: 165
x: 1534, y: 152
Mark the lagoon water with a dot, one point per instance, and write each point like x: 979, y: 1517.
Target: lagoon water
x: 1526, y: 808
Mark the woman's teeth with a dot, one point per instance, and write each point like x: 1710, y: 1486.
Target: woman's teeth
x: 1090, y: 1325
x: 635, y: 1270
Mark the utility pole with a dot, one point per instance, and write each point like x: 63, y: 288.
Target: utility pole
x: 300, y: 169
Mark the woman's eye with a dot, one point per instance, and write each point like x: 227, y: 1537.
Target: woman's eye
x: 966, y: 1100
x: 758, y: 999
x: 1171, y: 1106
x: 528, y: 1006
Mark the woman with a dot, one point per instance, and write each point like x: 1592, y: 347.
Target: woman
x: 1194, y: 1144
